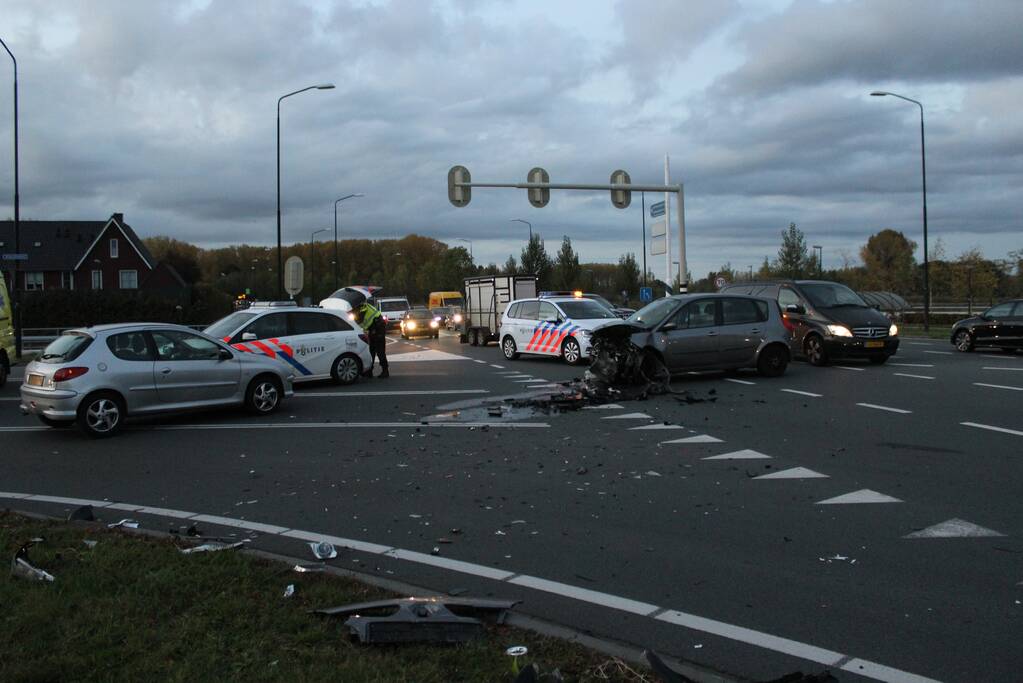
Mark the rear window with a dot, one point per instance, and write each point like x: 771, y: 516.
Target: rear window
x: 226, y: 326
x: 389, y: 306
x: 65, y: 348
x: 311, y: 323
x: 739, y: 311
x: 584, y: 309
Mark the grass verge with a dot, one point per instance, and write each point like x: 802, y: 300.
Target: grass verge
x: 936, y: 332
x: 134, y: 608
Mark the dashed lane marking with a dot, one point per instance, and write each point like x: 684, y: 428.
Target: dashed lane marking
x: 848, y: 367
x: 1006, y: 369
x: 906, y: 374
x: 803, y: 393
x: 913, y: 365
x: 482, y: 362
x: 530, y: 381
x: 998, y: 386
x: 410, y: 392
x: 499, y: 367
x: 862, y: 496
x: 992, y: 428
x: 739, y: 381
x: 920, y: 343
x: 628, y: 416
x: 722, y: 629
x: 606, y: 406
x: 887, y: 408
x: 941, y: 353
x: 655, y: 427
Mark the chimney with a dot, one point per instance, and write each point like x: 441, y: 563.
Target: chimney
x: 119, y: 217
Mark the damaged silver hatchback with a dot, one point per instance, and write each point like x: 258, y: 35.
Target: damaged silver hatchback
x: 697, y: 332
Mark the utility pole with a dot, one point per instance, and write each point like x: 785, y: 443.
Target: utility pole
x: 16, y: 288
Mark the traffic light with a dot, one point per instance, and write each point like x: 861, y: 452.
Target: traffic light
x: 621, y: 198
x: 538, y: 197
x: 459, y: 196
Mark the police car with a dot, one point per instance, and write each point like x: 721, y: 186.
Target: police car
x: 315, y: 343
x: 552, y: 326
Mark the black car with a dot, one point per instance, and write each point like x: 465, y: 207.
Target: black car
x: 829, y: 320
x: 419, y: 322
x: 1000, y: 326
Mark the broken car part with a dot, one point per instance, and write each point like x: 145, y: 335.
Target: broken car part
x: 127, y: 523
x: 212, y: 547
x: 83, y: 513
x: 21, y: 568
x: 323, y: 550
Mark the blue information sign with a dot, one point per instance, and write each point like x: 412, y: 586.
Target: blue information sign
x: 646, y: 293
x: 657, y: 209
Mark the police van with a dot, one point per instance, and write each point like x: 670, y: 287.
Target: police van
x: 552, y: 326
x: 316, y: 343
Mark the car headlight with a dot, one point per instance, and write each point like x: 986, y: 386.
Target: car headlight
x: 458, y: 317
x: 839, y: 330
x: 893, y: 330
x: 433, y: 323
x: 410, y: 325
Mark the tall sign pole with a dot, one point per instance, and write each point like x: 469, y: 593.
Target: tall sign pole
x: 667, y: 223
x: 16, y: 288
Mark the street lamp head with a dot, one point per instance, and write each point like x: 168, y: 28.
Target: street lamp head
x: 878, y: 93
x: 325, y: 86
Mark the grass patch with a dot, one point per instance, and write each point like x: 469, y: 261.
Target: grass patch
x: 135, y: 609
x: 936, y: 332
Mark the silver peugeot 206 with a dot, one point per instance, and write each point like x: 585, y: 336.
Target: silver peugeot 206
x: 98, y: 376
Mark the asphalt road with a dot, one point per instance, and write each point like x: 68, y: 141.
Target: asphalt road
x: 645, y: 540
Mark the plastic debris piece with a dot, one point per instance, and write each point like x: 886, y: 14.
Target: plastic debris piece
x: 290, y: 590
x: 435, y: 550
x: 90, y: 544
x: 21, y: 568
x: 437, y: 619
x: 323, y: 550
x: 83, y: 514
x: 213, y: 547
x: 126, y: 523
x: 306, y: 568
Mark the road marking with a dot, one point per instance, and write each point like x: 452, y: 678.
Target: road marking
x: 656, y: 426
x: 954, y: 528
x: 1006, y: 369
x: 510, y: 372
x: 499, y: 367
x: 848, y: 367
x: 606, y: 406
x: 794, y: 473
x: 744, y: 454
x: 904, y: 374
x: 230, y: 521
x: 483, y: 362
x: 913, y: 365
x: 858, y: 497
x: 425, y: 355
x: 628, y: 416
x: 529, y: 381
x: 921, y: 343
x: 998, y: 386
x: 585, y: 595
x: 802, y: 393
x: 679, y: 618
x: 179, y: 514
x: 411, y: 392
x: 1003, y: 430
x: 942, y: 353
x: 738, y: 381
x: 890, y: 410
x: 699, y: 438
x: 1001, y: 356
x: 69, y: 501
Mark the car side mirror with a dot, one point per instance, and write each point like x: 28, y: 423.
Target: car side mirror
x: 225, y: 354
x: 668, y: 327
x: 796, y: 308
x: 248, y: 336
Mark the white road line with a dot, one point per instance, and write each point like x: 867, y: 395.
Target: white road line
x: 1003, y: 430
x: 998, y: 386
x: 232, y: 522
x: 802, y: 393
x: 499, y: 367
x: 913, y: 365
x: 982, y: 355
x: 942, y: 353
x: 921, y: 343
x: 905, y: 374
x: 479, y: 361
x: 616, y: 602
x: 848, y: 367
x: 1006, y: 369
x: 355, y: 394
x: 890, y: 410
x: 738, y: 381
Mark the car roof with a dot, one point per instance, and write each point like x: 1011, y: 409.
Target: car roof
x: 110, y: 327
x: 294, y: 309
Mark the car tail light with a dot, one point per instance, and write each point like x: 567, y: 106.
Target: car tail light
x: 364, y: 337
x: 65, y: 374
x: 787, y: 323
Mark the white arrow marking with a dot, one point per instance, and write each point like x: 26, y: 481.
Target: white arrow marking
x: 954, y: 528
x: 657, y: 426
x: 861, y: 496
x: 744, y: 454
x: 628, y: 416
x: 700, y: 438
x: 794, y: 473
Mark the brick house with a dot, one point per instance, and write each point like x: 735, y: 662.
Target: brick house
x: 100, y: 255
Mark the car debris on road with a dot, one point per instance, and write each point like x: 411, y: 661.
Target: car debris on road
x: 126, y: 523
x: 21, y: 568
x: 323, y: 550
x: 212, y: 547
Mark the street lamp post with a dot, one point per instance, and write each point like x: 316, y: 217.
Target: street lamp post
x: 280, y: 256
x: 820, y: 258
x: 312, y: 260
x: 15, y: 288
x: 923, y: 173
x: 519, y: 220
x: 463, y: 239
x: 337, y: 260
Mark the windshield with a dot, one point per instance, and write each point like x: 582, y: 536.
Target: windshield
x: 226, y: 326
x: 65, y: 348
x: 600, y: 300
x: 419, y: 314
x: 453, y: 301
x: 584, y: 309
x: 388, y: 306
x: 831, y: 295
x: 653, y: 314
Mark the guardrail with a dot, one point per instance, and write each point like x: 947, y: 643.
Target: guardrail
x: 37, y: 338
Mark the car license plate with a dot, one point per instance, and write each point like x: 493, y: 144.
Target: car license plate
x: 35, y: 380
x: 874, y: 344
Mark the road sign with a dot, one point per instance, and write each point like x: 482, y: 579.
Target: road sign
x: 294, y: 274
x: 658, y: 228
x: 15, y: 257
x: 646, y: 293
x: 657, y: 209
x: 658, y: 245
x: 720, y: 282
x: 459, y: 196
x: 621, y: 198
x: 538, y: 197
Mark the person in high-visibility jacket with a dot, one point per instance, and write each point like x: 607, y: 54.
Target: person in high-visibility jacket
x: 372, y: 321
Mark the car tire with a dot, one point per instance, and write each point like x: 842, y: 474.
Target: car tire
x: 264, y: 395
x: 772, y: 361
x: 878, y: 360
x: 57, y: 424
x: 347, y: 369
x: 474, y: 338
x: 571, y: 352
x: 813, y: 347
x: 509, y: 349
x: 963, y: 341
x: 101, y: 414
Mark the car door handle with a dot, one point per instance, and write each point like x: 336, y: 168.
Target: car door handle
x: 755, y: 330
x: 165, y: 371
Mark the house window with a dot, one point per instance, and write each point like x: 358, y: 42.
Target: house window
x: 33, y: 282
x: 129, y: 279
x: 113, y: 248
x: 97, y: 279
x: 67, y: 279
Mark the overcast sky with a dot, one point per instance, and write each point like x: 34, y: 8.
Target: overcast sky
x: 165, y: 111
